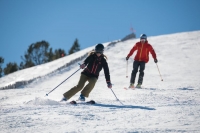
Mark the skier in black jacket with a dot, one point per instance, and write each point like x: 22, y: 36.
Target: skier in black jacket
x: 93, y: 64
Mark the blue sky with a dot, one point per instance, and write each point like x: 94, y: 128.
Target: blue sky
x: 60, y: 22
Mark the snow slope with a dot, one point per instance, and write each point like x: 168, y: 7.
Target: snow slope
x: 171, y: 105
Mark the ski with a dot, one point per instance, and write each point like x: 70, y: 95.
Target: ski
x: 141, y: 88
x: 127, y: 88
x: 82, y: 102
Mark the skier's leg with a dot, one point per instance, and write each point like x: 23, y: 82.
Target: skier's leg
x: 88, y: 88
x: 76, y: 88
x: 141, y: 75
x: 134, y: 71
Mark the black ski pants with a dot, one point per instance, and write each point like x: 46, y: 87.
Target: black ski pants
x: 136, y: 65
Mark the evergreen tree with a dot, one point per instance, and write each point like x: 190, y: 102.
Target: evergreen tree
x: 21, y: 66
x: 36, y: 54
x: 10, y: 68
x: 75, y: 47
x: 58, y: 53
x: 61, y: 52
x: 1, y: 62
x: 50, y: 55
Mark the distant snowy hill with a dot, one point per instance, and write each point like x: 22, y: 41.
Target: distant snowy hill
x: 171, y: 105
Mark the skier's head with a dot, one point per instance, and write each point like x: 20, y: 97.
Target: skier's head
x: 99, y: 48
x: 143, y: 37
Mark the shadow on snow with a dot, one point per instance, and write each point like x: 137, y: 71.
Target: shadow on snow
x: 124, y: 106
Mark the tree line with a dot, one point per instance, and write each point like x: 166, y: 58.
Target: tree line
x: 36, y: 54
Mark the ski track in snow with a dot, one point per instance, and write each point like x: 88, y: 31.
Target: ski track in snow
x: 172, y: 105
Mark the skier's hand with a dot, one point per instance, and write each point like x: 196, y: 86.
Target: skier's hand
x: 155, y: 60
x: 127, y: 58
x: 109, y: 85
x: 82, y: 66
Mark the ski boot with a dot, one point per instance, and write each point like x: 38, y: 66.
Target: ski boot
x: 63, y: 99
x: 131, y: 86
x: 138, y: 85
x: 81, y: 98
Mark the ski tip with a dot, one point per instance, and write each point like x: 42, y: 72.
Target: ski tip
x: 91, y: 102
x: 73, y: 102
x: 125, y: 88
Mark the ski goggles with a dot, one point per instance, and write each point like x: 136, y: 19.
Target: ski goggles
x: 142, y: 39
x: 98, y: 52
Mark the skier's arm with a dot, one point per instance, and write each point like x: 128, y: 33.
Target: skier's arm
x: 106, y: 72
x: 87, y: 60
x: 132, y: 50
x: 153, y: 54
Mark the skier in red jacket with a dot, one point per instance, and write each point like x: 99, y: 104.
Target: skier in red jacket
x: 142, y: 57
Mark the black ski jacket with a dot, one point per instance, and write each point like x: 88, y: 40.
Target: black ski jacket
x: 94, y: 65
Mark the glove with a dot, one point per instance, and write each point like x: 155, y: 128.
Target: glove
x: 155, y: 60
x: 109, y: 85
x: 127, y: 58
x: 82, y: 66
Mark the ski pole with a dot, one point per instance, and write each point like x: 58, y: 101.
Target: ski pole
x: 127, y: 69
x: 159, y: 72
x: 116, y: 97
x: 62, y: 82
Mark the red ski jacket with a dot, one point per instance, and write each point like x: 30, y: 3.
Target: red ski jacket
x: 142, y: 51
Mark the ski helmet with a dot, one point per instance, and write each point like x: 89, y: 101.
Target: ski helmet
x: 143, y: 36
x: 99, y: 48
